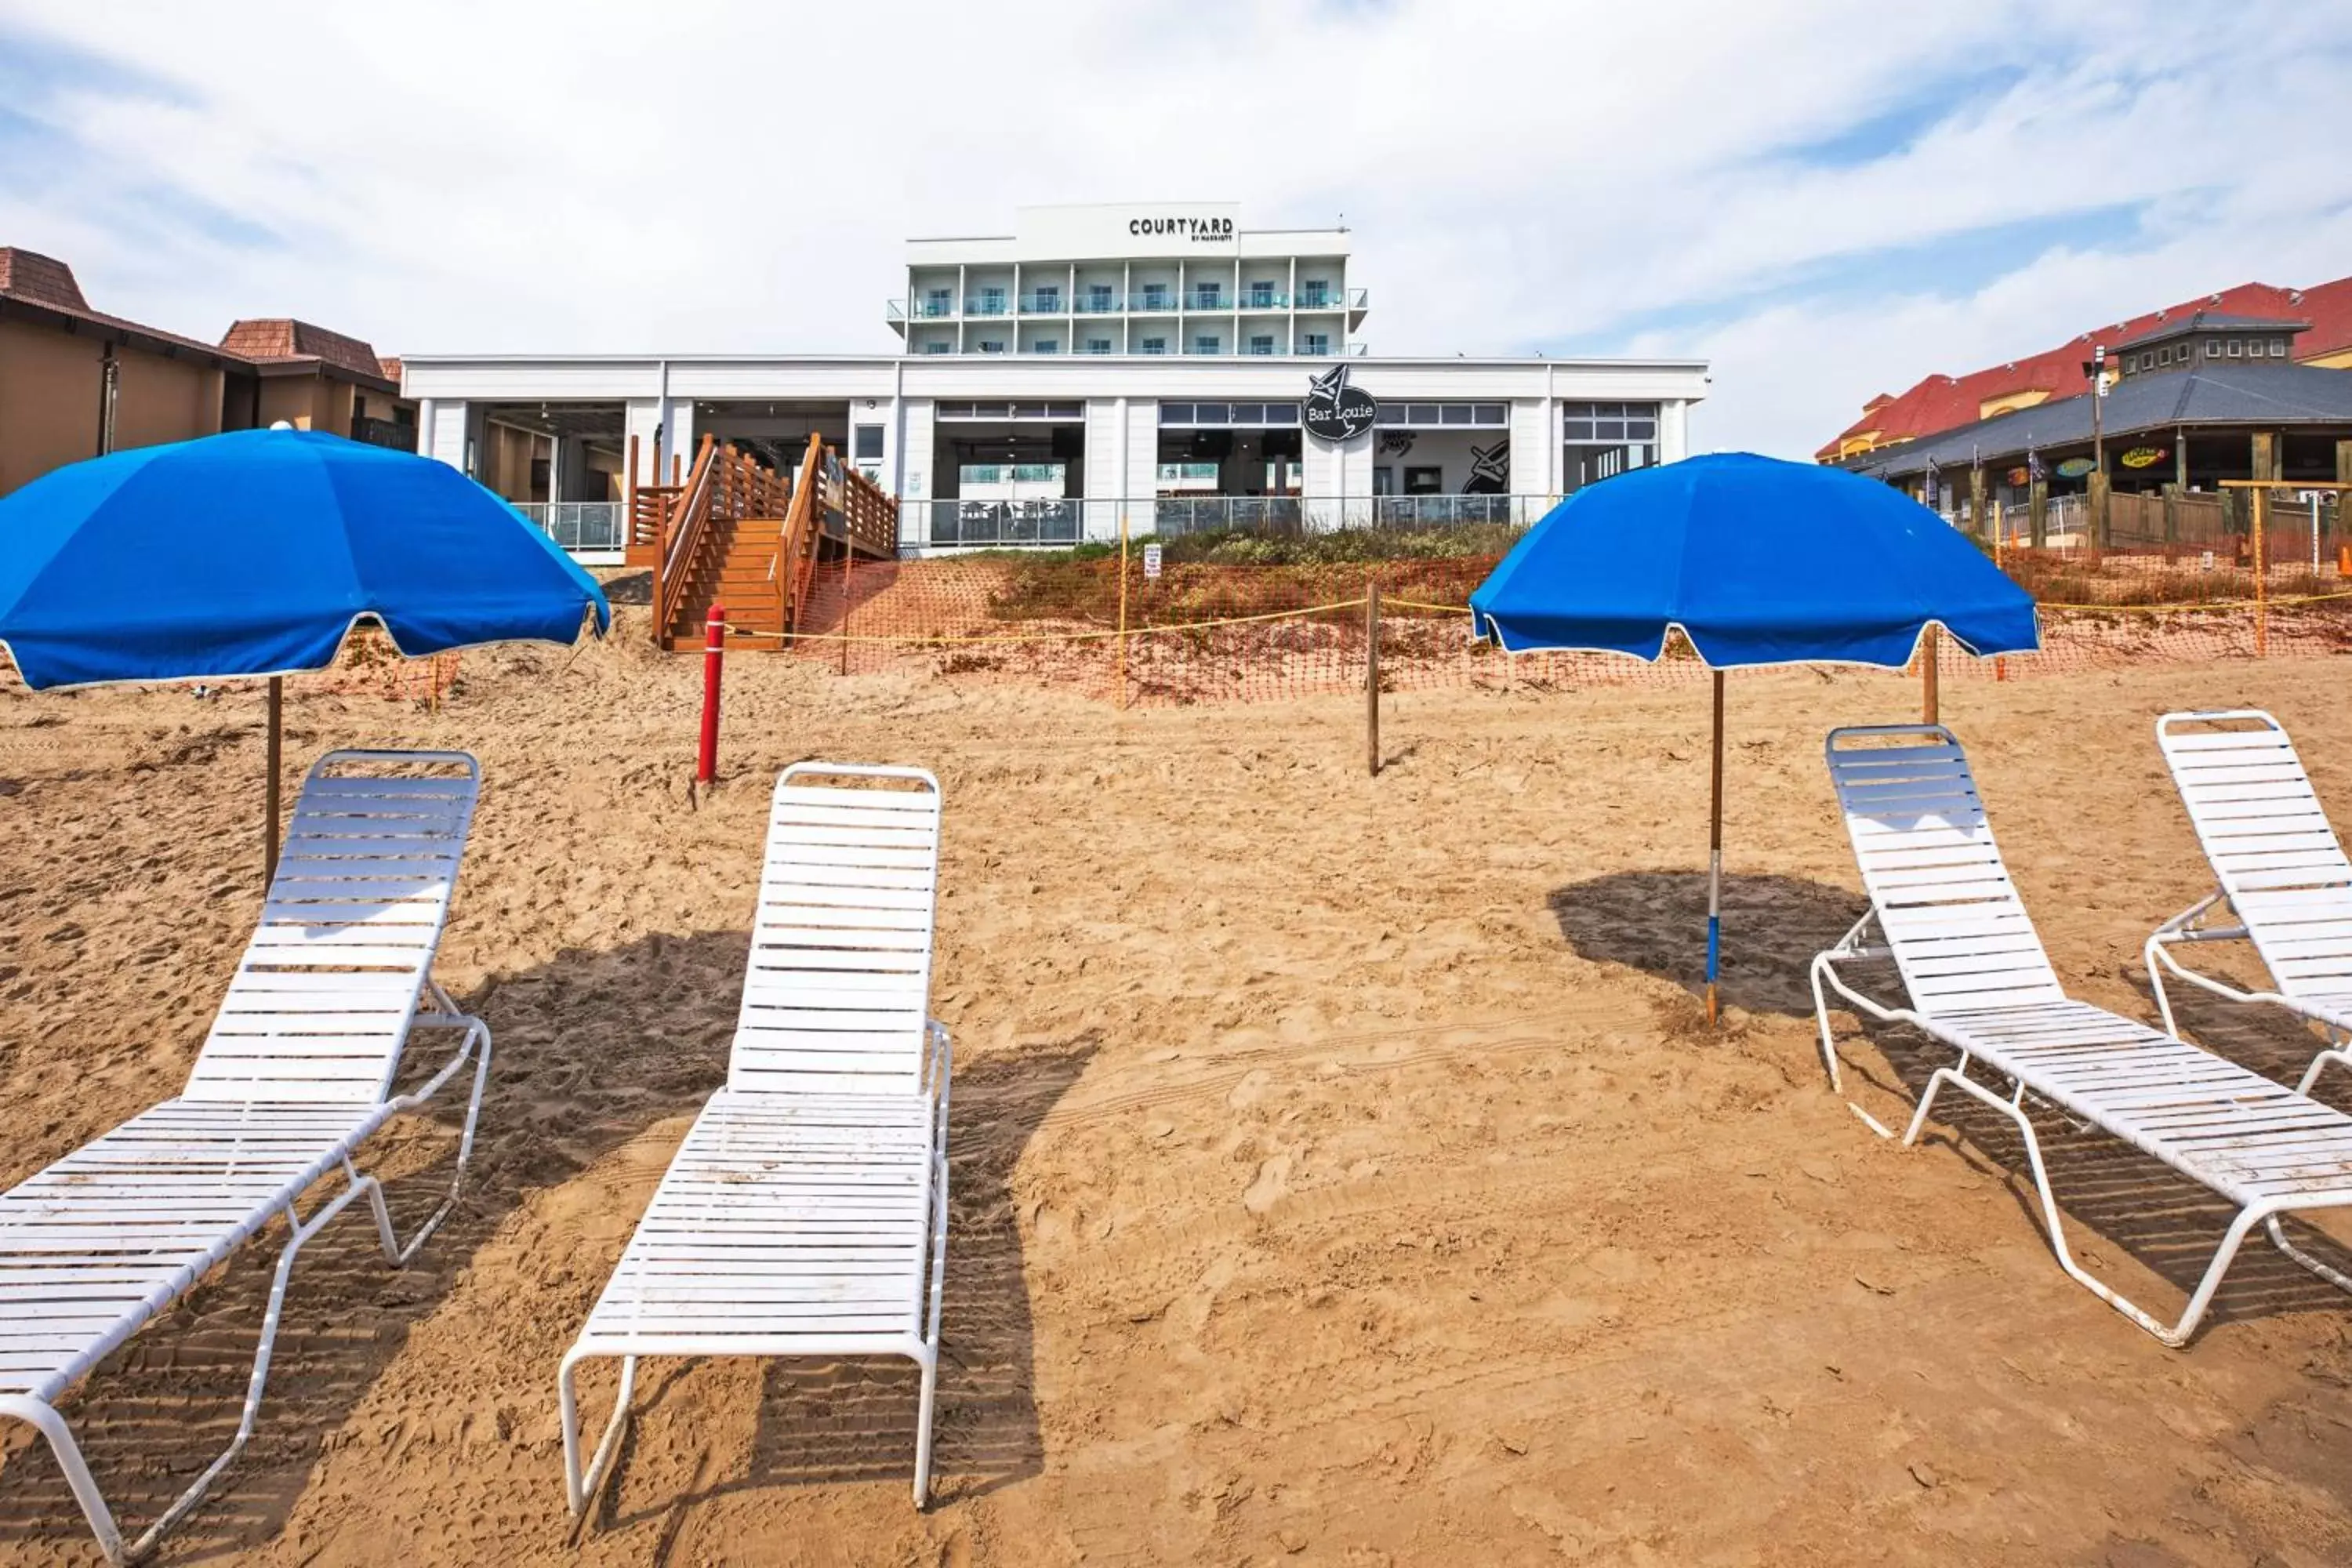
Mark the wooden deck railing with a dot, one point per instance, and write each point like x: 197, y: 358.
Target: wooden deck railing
x: 869, y: 513
x: 796, y: 541
x: 683, y: 522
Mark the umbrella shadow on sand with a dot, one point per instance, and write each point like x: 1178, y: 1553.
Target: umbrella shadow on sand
x: 2113, y: 1198
x: 662, y: 1010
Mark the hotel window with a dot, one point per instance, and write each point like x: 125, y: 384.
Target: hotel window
x: 1262, y: 296
x: 1098, y: 297
x: 867, y: 442
x: 1155, y: 296
x: 992, y: 301
x: 1315, y: 343
x: 1204, y: 343
x: 938, y: 346
x: 992, y: 345
x: 938, y: 303
x: 1262, y: 343
x: 1315, y: 294
x: 1207, y: 296
x: 1097, y: 346
x: 1047, y: 346
x: 1155, y: 345
x: 1049, y: 299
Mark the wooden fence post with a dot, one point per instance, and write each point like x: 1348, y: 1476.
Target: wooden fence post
x: 1122, y: 606
x: 1931, y: 696
x: 1372, y: 674
x: 2261, y: 506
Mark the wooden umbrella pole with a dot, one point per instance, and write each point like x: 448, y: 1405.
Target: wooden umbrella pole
x: 1715, y: 856
x: 272, y: 749
x: 1931, y: 705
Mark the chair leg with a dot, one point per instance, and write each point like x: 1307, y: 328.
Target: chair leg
x: 2178, y: 1334
x: 396, y: 1252
x: 930, y: 1364
x: 1821, y: 1018
x: 578, y: 1488
x: 51, y: 1425
x: 2341, y: 1054
x: 2333, y: 1276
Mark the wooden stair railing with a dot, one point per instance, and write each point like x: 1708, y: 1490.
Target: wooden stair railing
x: 684, y: 525
x: 794, y: 566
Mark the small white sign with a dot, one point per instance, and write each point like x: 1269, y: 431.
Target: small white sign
x: 1151, y: 561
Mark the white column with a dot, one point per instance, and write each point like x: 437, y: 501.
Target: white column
x: 442, y: 429
x: 424, y: 426
x: 641, y: 421
x: 1673, y: 430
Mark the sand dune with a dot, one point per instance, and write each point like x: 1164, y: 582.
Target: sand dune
x: 1343, y: 1171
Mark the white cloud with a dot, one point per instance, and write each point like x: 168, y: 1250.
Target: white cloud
x: 569, y: 177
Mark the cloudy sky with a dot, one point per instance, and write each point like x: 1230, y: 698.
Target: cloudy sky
x: 1824, y: 199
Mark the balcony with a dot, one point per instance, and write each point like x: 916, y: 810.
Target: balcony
x: 1045, y: 302
x: 1207, y: 299
x: 1265, y: 300
x: 941, y: 309
x: 1156, y: 300
x: 1096, y: 305
x: 987, y: 305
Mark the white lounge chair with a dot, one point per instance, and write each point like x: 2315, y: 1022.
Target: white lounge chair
x: 294, y: 1074
x: 805, y: 1214
x: 2282, y: 872
x: 1979, y: 982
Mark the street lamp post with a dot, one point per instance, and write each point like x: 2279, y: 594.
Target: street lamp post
x: 2095, y: 367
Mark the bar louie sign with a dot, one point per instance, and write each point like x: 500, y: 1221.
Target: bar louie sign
x: 1334, y: 411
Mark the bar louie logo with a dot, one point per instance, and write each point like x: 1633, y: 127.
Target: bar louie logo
x: 1334, y: 411
x: 1199, y: 230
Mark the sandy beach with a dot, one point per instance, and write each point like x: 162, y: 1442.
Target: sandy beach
x: 1343, y: 1171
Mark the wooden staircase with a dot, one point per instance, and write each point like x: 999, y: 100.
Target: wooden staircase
x: 741, y: 536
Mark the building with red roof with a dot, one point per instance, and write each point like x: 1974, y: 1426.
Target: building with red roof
x: 1942, y: 403
x: 75, y: 383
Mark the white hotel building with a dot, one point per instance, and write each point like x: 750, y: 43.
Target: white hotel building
x: 1151, y: 366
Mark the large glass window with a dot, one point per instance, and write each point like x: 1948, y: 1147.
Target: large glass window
x: 1262, y: 343
x: 1609, y: 421
x: 1315, y: 294
x: 1437, y: 415
x: 1261, y: 296
x: 1155, y: 345
x: 1246, y: 415
x: 1314, y: 343
x: 1205, y: 344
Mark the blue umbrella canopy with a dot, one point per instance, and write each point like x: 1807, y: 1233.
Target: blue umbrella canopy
x: 1756, y: 561
x: 255, y: 552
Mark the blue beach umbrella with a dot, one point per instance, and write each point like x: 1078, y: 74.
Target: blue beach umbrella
x: 255, y: 553
x: 1754, y: 562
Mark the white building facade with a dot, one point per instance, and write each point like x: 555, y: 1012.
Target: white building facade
x: 1027, y: 444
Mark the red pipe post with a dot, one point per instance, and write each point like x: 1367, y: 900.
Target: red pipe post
x: 714, y: 653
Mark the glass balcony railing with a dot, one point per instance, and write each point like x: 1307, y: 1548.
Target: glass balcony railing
x: 1152, y: 299
x: 1013, y: 473
x: 935, y: 309
x: 986, y: 524
x: 987, y: 305
x: 579, y: 526
x: 1265, y: 300
x: 1208, y: 300
x: 1105, y: 304
x: 1045, y: 302
x: 1175, y: 474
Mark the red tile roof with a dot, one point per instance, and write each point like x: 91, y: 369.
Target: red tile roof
x: 267, y: 338
x: 1946, y: 403
x: 29, y: 275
